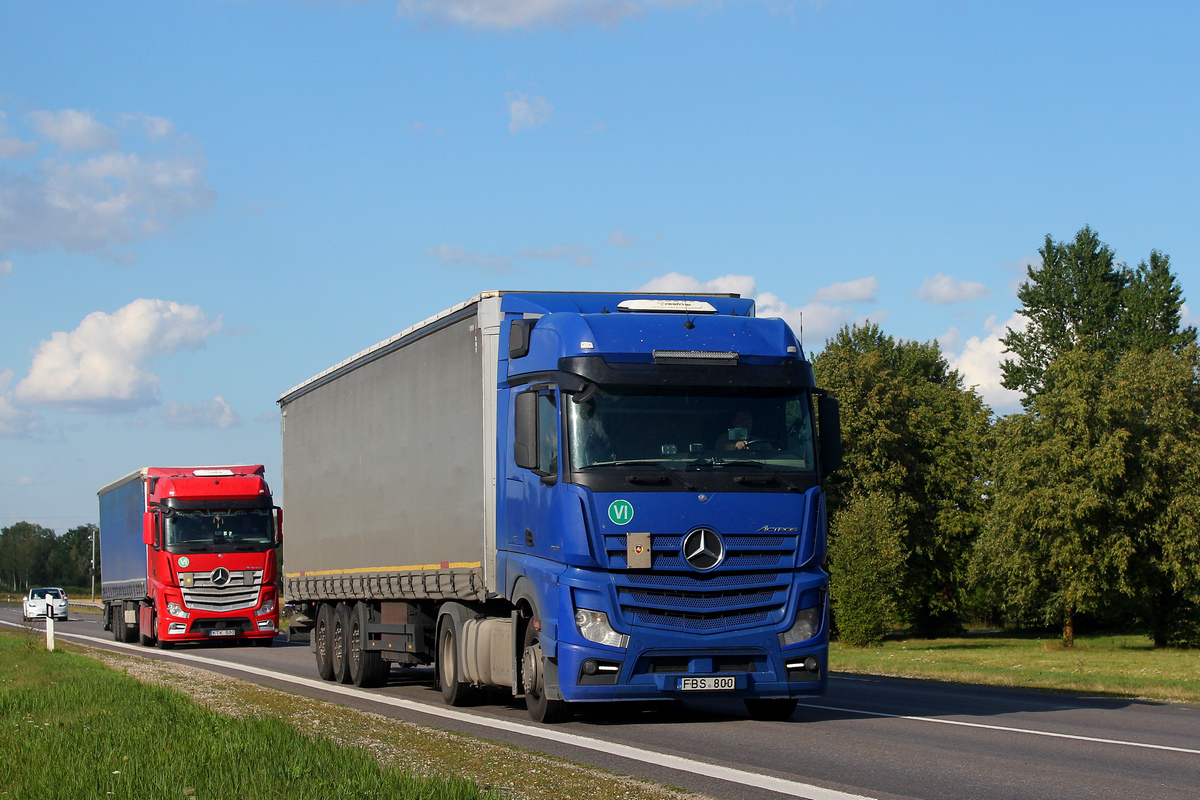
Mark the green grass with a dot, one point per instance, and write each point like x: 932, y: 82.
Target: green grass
x: 75, y: 729
x: 1123, y: 666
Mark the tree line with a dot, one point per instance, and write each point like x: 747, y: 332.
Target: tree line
x: 31, y: 555
x: 1082, y: 508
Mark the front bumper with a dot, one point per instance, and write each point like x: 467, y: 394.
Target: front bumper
x: 669, y: 671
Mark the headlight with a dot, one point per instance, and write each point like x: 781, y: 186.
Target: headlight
x: 593, y: 626
x: 808, y: 621
x: 267, y: 607
x: 176, y: 610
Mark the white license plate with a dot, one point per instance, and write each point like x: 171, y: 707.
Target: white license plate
x: 223, y: 632
x: 705, y: 684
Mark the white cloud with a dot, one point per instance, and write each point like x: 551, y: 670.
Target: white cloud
x: 216, y: 413
x: 946, y: 289
x: 14, y: 422
x: 157, y: 128
x: 74, y: 130
x: 1185, y: 315
x: 819, y: 320
x: 618, y: 239
x: 979, y: 364
x: 514, y: 14
x: 527, y: 113
x: 449, y: 254
x: 103, y: 365
x: 102, y: 202
x: 12, y: 147
x: 860, y: 290
x: 578, y: 256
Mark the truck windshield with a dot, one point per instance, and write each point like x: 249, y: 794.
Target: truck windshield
x: 204, y: 528
x: 691, y: 429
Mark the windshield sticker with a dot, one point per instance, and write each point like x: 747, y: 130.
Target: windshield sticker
x: 183, y: 561
x: 620, y: 512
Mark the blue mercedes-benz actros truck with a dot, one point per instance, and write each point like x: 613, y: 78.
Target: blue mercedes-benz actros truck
x: 574, y: 497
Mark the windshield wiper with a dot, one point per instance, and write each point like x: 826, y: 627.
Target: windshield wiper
x: 768, y: 468
x: 716, y: 461
x: 656, y: 465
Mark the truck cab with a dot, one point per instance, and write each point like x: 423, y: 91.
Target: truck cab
x: 664, y: 517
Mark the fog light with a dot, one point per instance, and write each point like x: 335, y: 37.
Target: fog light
x: 593, y: 626
x: 176, y: 628
x: 176, y: 610
x: 590, y: 667
x: 266, y: 625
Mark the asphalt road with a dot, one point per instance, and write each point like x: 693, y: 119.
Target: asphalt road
x: 867, y: 738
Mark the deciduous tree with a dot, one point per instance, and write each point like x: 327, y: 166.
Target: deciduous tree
x: 915, y: 435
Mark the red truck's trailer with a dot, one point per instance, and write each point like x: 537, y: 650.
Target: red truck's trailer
x: 189, y: 554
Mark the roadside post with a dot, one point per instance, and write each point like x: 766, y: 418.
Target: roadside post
x: 49, y: 626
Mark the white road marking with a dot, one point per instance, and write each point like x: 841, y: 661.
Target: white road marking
x: 1005, y: 729
x: 730, y: 774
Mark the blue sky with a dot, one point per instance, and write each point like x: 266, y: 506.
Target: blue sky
x: 204, y: 203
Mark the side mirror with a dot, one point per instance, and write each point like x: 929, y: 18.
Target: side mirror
x: 830, y: 428
x: 518, y: 337
x: 149, y: 527
x: 525, y: 451
x: 278, y: 524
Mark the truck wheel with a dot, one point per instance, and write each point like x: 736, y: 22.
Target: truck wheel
x: 323, y: 642
x: 771, y: 708
x: 455, y: 691
x: 147, y: 638
x: 540, y: 707
x: 340, y: 640
x: 128, y: 633
x: 367, y: 667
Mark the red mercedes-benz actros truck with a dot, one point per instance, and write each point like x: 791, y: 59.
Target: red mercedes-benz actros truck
x: 190, y: 555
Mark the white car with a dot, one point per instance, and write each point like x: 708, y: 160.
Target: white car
x: 36, y: 602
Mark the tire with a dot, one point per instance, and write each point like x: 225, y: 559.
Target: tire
x: 367, y: 667
x: 771, y: 708
x: 323, y: 642
x: 341, y: 643
x: 540, y: 707
x: 455, y: 691
x: 148, y: 639
x: 128, y: 633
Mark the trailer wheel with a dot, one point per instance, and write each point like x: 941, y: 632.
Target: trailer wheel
x: 126, y: 633
x: 323, y: 641
x: 454, y: 691
x: 540, y: 707
x: 367, y: 667
x: 341, y: 643
x: 770, y: 708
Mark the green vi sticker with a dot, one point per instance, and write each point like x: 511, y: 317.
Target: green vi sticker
x: 620, y: 512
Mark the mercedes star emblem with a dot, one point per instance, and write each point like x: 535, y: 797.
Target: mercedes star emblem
x: 703, y: 549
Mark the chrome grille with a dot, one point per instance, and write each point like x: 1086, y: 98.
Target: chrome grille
x: 201, y: 594
x: 748, y: 589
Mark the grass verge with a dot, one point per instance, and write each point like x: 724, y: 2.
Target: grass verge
x: 1122, y: 666
x: 73, y: 728
x: 97, y: 715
